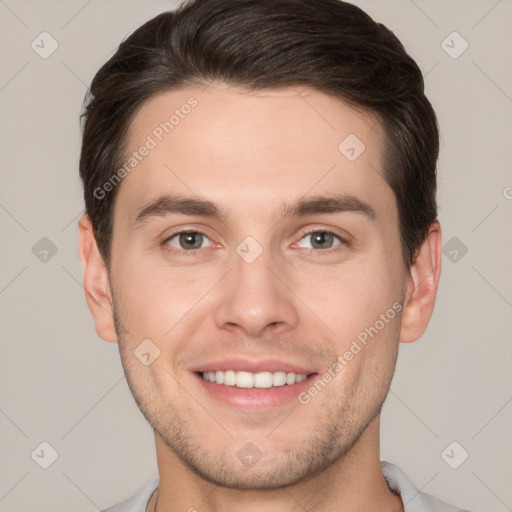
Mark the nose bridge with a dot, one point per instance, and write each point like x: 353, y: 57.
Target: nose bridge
x: 253, y: 297
x: 252, y: 271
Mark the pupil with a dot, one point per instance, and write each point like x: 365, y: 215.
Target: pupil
x: 322, y: 239
x: 191, y: 240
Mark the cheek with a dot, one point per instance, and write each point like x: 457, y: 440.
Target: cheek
x: 153, y: 297
x: 367, y: 360
x: 350, y: 298
x: 361, y: 306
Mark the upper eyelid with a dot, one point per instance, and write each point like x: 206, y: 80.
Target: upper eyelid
x: 184, y: 231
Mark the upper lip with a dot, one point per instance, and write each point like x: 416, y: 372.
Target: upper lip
x: 253, y: 366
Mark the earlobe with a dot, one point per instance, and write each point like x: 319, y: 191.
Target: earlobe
x: 96, y: 285
x: 422, y: 283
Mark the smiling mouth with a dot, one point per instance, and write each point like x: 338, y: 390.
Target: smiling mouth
x: 248, y: 380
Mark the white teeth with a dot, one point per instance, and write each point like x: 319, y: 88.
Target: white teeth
x: 229, y: 378
x: 244, y: 380
x: 247, y: 380
x: 279, y: 379
x: 263, y: 380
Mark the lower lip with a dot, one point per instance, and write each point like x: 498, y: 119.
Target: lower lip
x: 255, y: 398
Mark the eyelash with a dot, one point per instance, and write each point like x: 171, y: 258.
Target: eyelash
x: 193, y: 253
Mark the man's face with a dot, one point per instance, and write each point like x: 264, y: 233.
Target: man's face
x: 260, y: 288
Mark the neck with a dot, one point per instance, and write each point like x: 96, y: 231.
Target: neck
x: 353, y: 482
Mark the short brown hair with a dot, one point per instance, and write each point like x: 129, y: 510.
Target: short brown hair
x: 330, y: 45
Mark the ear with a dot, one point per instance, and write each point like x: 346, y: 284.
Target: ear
x: 422, y: 283
x: 96, y: 285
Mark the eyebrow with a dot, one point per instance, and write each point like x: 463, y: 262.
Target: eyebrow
x: 172, y: 204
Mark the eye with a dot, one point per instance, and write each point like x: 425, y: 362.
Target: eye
x: 187, y: 240
x: 321, y: 240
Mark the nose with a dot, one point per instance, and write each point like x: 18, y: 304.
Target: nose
x: 255, y: 298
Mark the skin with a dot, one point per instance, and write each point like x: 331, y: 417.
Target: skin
x: 252, y: 152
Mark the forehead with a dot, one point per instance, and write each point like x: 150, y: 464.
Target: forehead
x: 247, y: 148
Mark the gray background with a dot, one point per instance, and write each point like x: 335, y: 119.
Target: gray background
x: 62, y: 385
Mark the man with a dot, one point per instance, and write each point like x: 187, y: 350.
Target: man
x: 261, y: 234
